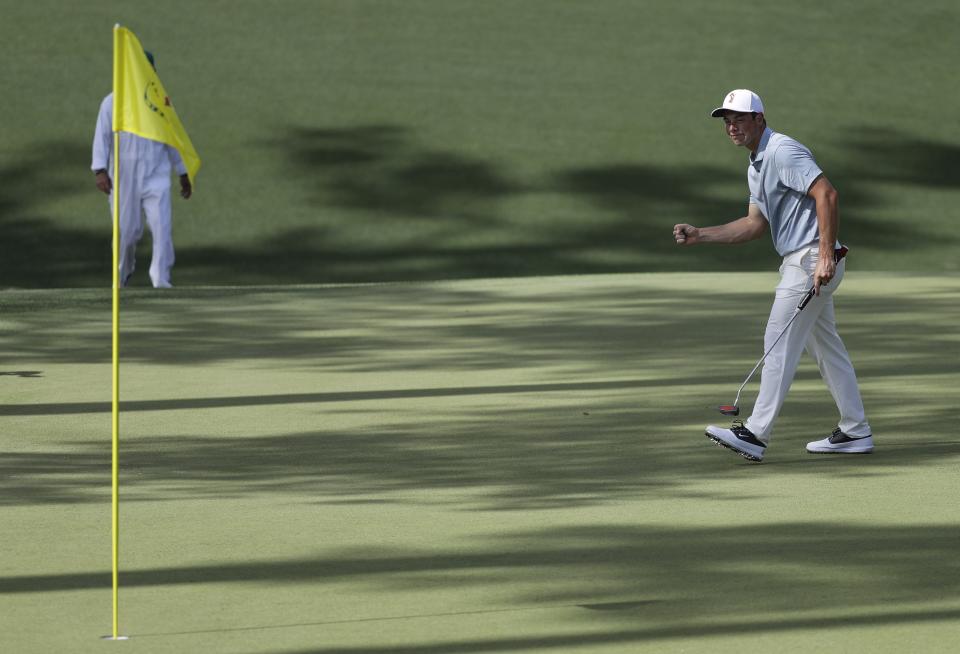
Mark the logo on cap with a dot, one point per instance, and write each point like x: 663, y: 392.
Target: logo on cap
x: 730, y: 99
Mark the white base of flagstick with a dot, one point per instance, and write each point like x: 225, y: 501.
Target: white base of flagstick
x: 112, y: 638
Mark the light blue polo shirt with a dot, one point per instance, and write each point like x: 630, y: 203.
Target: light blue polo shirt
x: 779, y: 176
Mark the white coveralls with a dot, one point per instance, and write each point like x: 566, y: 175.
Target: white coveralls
x: 145, y: 167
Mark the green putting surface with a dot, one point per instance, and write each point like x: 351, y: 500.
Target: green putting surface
x: 473, y: 466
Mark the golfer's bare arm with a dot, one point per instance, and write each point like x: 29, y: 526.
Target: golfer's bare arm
x: 750, y: 227
x: 828, y: 220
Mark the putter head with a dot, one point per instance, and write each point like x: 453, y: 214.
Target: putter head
x: 729, y: 409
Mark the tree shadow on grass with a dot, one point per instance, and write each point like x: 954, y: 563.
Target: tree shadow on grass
x: 383, y: 168
x: 374, y: 176
x: 614, y: 327
x: 35, y: 250
x: 868, y: 160
x: 703, y: 628
x: 644, y: 201
x: 895, y: 156
x: 374, y: 328
x: 557, y: 437
x: 657, y: 582
x: 387, y: 206
x: 26, y: 374
x: 578, y: 449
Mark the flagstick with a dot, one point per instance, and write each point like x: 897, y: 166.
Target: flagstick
x: 130, y: 68
x: 115, y: 476
x: 115, y: 417
x: 115, y: 370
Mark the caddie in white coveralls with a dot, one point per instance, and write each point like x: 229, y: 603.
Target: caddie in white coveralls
x: 790, y: 195
x: 144, y: 191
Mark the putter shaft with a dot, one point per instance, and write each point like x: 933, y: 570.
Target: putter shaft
x: 806, y: 300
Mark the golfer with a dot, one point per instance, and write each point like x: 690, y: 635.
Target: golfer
x: 790, y: 196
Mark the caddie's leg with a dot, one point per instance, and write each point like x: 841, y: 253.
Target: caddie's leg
x: 156, y: 205
x: 131, y: 227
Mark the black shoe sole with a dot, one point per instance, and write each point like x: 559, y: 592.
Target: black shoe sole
x: 745, y: 455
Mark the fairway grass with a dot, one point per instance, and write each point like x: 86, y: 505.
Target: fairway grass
x: 382, y: 140
x: 472, y: 466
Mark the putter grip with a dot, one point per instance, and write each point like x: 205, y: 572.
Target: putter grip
x: 807, y: 297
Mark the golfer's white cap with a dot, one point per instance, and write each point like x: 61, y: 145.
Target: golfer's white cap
x: 741, y: 100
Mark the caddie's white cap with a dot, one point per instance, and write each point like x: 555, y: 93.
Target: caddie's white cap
x: 741, y: 100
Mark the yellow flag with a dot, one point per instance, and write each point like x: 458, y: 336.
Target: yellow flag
x: 141, y: 105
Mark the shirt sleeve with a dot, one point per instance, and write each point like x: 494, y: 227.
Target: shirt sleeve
x: 796, y: 166
x: 176, y: 160
x: 103, y: 136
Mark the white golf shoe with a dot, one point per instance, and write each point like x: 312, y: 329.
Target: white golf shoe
x: 840, y: 443
x: 739, y: 439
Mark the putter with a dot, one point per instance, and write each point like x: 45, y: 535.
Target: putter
x: 734, y: 409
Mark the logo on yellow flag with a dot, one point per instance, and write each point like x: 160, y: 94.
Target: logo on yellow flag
x: 141, y: 105
x: 152, y: 96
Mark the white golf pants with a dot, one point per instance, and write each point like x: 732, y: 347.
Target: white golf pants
x: 814, y: 329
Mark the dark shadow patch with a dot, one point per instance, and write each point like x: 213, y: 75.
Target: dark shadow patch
x: 898, y: 568
x: 384, y: 205
x: 27, y: 374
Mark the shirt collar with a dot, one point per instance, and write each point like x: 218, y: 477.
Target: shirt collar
x: 757, y: 159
